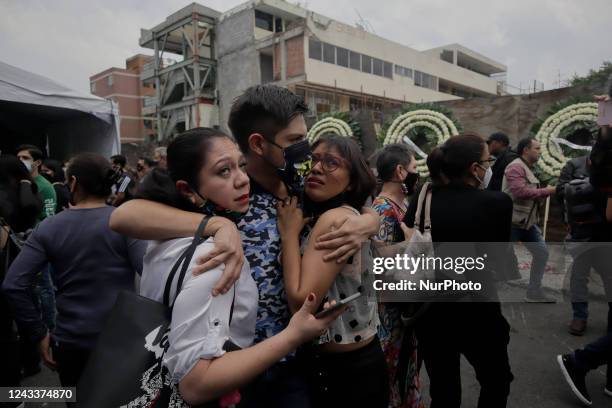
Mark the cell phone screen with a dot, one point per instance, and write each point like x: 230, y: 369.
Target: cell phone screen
x: 338, y: 305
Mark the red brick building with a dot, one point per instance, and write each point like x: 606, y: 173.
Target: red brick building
x: 123, y: 85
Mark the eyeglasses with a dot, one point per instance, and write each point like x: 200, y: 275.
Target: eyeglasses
x: 329, y: 162
x: 489, y: 161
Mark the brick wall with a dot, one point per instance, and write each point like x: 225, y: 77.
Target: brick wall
x: 295, y: 56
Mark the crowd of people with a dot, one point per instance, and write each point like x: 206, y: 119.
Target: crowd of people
x: 288, y: 228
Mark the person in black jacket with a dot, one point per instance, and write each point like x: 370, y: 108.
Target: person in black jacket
x: 19, y: 207
x: 52, y: 170
x: 461, y: 211
x: 499, y: 146
x: 579, y: 203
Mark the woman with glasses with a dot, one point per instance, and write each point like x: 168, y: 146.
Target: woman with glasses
x: 347, y: 365
x: 473, y: 324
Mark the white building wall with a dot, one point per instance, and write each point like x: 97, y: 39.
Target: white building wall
x: 345, y: 36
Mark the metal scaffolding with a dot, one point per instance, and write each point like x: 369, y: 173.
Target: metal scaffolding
x: 185, y: 88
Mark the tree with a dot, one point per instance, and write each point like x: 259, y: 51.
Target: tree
x: 594, y: 77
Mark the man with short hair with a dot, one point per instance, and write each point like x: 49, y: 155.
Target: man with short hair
x: 144, y: 166
x: 521, y: 184
x: 268, y: 124
x: 31, y: 156
x: 121, y: 190
x: 499, y: 146
x: 160, y: 156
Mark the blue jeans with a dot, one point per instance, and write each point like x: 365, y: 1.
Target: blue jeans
x: 595, y: 354
x: 598, y: 259
x: 533, y: 241
x: 45, y: 293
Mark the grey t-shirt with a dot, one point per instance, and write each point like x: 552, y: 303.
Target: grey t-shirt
x: 90, y: 263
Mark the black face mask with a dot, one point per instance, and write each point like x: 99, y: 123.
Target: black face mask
x: 409, y: 183
x: 47, y: 176
x: 314, y: 209
x: 298, y: 163
x: 209, y: 207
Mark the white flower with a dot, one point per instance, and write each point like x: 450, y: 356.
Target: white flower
x: 329, y: 125
x: 552, y: 158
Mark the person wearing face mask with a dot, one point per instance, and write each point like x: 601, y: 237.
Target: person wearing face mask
x: 90, y: 264
x: 43, y: 290
x: 396, y: 168
x: 462, y: 212
x: 32, y: 157
x: 347, y: 366
x: 52, y: 170
x: 268, y: 124
x: 528, y: 198
x: 207, y: 174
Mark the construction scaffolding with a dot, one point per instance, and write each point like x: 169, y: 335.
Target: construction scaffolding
x: 183, y: 70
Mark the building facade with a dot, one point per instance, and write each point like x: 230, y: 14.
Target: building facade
x: 334, y: 66
x: 124, y: 86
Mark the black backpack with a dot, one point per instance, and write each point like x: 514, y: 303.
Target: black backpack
x: 580, y: 212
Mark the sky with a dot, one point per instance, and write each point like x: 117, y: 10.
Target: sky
x: 543, y: 40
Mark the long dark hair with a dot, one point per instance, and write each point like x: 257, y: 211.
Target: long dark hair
x: 456, y: 156
x: 362, y: 182
x: 58, y: 171
x: 94, y: 174
x: 434, y: 161
x: 187, y: 154
x: 12, y: 171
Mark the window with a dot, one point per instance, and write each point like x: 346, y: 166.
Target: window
x: 264, y: 21
x: 403, y: 71
x: 366, y: 64
x: 342, y: 57
x: 278, y: 25
x: 425, y: 80
x: 329, y: 53
x: 93, y: 87
x: 355, y: 60
x: 377, y: 67
x: 109, y: 80
x: 418, y: 78
x: 314, y: 49
x: 387, y: 69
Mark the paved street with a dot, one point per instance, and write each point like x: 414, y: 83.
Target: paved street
x: 538, y: 334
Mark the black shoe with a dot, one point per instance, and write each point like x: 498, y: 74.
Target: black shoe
x: 574, y: 378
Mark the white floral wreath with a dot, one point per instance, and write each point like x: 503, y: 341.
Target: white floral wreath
x: 552, y: 159
x: 441, y: 125
x: 329, y: 125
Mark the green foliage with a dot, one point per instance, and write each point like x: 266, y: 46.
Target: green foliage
x: 425, y: 138
x: 594, y: 77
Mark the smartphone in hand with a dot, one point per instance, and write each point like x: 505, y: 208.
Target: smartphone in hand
x: 338, y: 305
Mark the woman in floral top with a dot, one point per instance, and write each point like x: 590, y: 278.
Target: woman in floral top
x: 397, y: 170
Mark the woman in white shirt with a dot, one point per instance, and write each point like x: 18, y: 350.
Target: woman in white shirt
x: 206, y: 173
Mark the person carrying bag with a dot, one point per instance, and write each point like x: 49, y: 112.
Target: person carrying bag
x: 126, y: 365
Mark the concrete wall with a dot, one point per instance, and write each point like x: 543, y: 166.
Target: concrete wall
x: 513, y: 115
x: 237, y: 59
